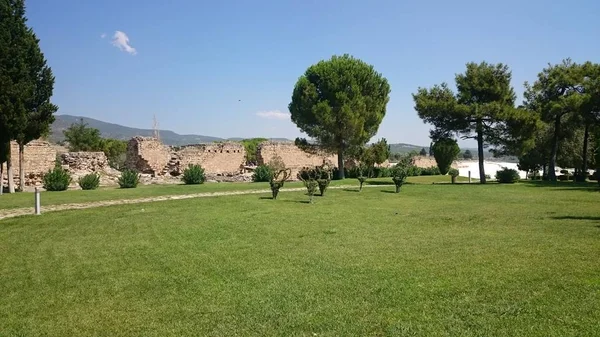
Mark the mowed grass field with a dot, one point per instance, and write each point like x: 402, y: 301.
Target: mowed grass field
x: 434, y: 260
x: 20, y: 200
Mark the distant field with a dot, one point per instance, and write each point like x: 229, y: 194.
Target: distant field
x: 434, y: 260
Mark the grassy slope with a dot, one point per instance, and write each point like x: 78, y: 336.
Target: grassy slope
x: 434, y: 260
x: 18, y: 200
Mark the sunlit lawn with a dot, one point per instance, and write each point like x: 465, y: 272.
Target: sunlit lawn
x: 434, y: 260
x: 18, y: 200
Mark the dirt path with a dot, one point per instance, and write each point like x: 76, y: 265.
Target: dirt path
x: 10, y: 213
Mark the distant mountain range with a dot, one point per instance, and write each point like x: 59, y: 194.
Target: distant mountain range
x: 116, y: 131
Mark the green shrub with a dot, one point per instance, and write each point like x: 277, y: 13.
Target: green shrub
x: 278, y: 179
x: 399, y: 175
x: 445, y: 151
x: 193, y: 175
x: 262, y: 173
x: 413, y: 171
x: 430, y: 171
x: 382, y: 172
x: 323, y: 177
x: 57, y: 179
x: 453, y: 173
x: 562, y: 177
x: 129, y: 179
x: 507, y: 176
x: 89, y: 181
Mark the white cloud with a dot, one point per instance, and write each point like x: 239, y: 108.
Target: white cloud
x: 273, y: 114
x: 121, y: 41
x: 103, y: 35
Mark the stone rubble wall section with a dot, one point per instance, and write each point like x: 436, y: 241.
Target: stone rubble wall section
x: 80, y: 164
x: 147, y: 155
x: 293, y: 157
x: 150, y: 156
x: 220, y: 158
x: 39, y: 157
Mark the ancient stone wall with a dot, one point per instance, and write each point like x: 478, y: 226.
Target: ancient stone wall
x: 147, y: 155
x: 80, y: 164
x: 218, y: 158
x: 39, y: 157
x: 293, y: 157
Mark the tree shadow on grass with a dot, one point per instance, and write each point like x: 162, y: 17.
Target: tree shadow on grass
x: 379, y: 183
x: 572, y: 217
x: 266, y: 198
x: 590, y: 186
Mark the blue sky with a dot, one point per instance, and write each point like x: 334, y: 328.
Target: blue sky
x: 190, y: 62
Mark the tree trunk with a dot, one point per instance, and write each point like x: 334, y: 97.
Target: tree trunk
x: 554, y: 152
x: 21, y: 167
x: 482, y: 179
x: 9, y: 171
x: 341, y: 174
x: 584, y: 155
x: 1, y: 178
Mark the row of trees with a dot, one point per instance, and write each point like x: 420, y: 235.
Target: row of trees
x: 26, y: 83
x: 561, y: 111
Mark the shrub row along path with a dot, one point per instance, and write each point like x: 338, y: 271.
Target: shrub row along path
x: 10, y: 213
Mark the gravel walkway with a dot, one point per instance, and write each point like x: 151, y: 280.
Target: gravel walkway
x: 10, y: 213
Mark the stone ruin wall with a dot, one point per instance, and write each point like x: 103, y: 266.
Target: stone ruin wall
x: 293, y: 157
x: 150, y: 156
x: 218, y: 158
x: 80, y: 164
x: 39, y: 157
x: 147, y: 155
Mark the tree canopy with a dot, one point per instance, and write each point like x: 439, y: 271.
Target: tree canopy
x: 481, y: 109
x: 445, y: 151
x: 340, y: 103
x: 467, y: 155
x: 26, y: 83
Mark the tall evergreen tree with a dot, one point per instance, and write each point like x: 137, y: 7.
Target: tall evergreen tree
x: 26, y: 82
x: 554, y: 95
x: 340, y: 103
x: 480, y: 110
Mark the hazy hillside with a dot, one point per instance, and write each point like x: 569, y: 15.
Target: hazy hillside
x: 111, y: 130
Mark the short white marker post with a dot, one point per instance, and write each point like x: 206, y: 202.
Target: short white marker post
x: 469, y: 177
x: 38, y: 210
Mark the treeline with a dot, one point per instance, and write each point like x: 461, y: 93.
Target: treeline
x: 81, y: 137
x: 557, y: 124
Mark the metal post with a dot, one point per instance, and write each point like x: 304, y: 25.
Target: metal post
x: 469, y: 177
x: 38, y: 209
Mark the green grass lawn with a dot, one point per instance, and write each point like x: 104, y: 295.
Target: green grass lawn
x: 18, y: 200
x: 434, y: 260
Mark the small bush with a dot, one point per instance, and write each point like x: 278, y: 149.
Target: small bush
x: 57, y: 179
x: 413, y: 171
x: 594, y: 176
x: 262, y: 173
x: 194, y: 175
x: 430, y: 171
x: 382, y: 172
x: 453, y: 173
x: 89, y: 181
x: 277, y: 181
x: 507, y: 176
x: 129, y: 179
x: 399, y: 175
